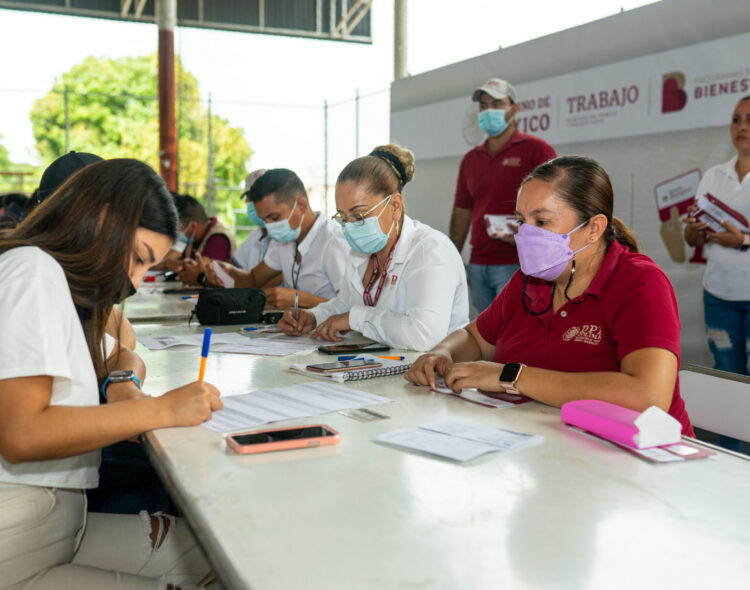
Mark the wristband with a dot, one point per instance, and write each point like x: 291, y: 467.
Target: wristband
x: 119, y: 377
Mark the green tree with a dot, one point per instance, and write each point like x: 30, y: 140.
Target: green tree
x: 5, y: 163
x: 114, y: 112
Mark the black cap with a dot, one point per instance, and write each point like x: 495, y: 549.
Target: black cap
x: 60, y: 170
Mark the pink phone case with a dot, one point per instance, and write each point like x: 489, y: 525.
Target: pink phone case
x: 283, y: 445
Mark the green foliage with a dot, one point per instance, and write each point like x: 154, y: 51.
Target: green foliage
x: 114, y: 112
x: 4, y: 159
x: 10, y: 183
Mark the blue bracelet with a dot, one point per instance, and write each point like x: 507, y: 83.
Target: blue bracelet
x: 133, y: 377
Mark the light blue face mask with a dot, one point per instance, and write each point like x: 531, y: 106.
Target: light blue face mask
x: 493, y: 122
x: 182, y: 238
x: 253, y: 215
x: 367, y: 238
x: 281, y: 231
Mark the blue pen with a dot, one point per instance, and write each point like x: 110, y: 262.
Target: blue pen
x: 250, y: 329
x: 349, y: 358
x: 204, y: 352
x: 186, y: 297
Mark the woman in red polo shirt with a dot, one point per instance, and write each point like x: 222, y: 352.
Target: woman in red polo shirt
x: 586, y: 317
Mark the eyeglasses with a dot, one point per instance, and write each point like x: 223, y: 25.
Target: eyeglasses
x: 358, y: 218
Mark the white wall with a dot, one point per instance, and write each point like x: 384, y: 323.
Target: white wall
x: 636, y: 164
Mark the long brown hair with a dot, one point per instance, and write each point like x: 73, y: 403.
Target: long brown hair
x: 585, y: 186
x: 88, y: 225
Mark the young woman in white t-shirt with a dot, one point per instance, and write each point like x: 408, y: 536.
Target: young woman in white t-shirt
x: 726, y: 281
x: 84, y: 248
x: 405, y: 283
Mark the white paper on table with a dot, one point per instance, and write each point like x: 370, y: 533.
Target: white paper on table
x: 264, y: 347
x: 223, y: 275
x: 284, y: 403
x: 498, y: 437
x: 471, y: 394
x: 436, y: 444
x: 460, y: 440
x: 162, y: 342
x: 658, y: 455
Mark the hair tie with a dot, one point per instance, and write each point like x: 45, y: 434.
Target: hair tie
x: 395, y: 163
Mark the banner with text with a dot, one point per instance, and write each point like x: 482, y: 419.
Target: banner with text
x: 688, y: 88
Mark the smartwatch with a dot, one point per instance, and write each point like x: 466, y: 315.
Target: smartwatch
x: 119, y: 377
x: 202, y: 278
x: 510, y: 374
x: 745, y: 243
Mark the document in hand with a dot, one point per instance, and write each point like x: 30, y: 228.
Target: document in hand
x: 641, y: 430
x: 713, y: 211
x: 460, y: 440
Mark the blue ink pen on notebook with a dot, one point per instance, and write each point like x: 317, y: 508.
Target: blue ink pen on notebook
x: 186, y: 297
x: 204, y: 353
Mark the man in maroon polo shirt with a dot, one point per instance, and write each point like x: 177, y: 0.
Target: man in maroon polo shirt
x: 206, y: 236
x: 488, y: 181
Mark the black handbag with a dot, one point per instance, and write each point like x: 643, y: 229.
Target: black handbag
x: 220, y: 307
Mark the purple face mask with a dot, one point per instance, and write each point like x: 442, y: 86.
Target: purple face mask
x: 544, y: 254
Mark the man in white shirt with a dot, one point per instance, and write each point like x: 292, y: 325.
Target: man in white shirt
x: 253, y: 250
x: 308, y: 250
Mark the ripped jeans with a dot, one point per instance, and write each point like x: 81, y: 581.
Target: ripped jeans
x: 49, y: 542
x: 728, y: 333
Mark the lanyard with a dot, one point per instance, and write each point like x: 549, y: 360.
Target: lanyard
x: 295, y: 275
x: 367, y: 296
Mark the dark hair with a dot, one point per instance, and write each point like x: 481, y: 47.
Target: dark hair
x: 189, y: 209
x: 88, y: 225
x: 743, y: 99
x: 282, y: 183
x: 585, y: 186
x: 385, y: 170
x: 18, y: 198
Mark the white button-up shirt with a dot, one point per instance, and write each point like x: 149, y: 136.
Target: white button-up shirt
x: 727, y: 273
x: 424, y: 295
x: 252, y: 251
x: 324, y: 253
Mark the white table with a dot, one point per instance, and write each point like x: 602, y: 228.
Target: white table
x: 151, y: 305
x: 571, y: 513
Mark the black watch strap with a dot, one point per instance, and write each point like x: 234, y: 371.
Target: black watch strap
x: 202, y: 278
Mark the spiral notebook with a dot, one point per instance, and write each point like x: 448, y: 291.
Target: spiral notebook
x: 390, y: 367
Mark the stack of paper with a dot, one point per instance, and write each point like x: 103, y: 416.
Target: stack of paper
x: 460, y: 440
x: 284, y: 403
x: 162, y: 342
x: 389, y: 367
x: 472, y: 394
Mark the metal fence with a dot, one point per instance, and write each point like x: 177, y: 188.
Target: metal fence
x: 316, y: 141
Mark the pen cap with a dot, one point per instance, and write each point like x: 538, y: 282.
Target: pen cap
x: 206, y: 342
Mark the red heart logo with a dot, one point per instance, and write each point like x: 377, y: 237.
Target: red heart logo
x: 673, y: 98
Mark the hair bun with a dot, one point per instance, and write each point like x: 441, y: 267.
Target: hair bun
x: 404, y: 157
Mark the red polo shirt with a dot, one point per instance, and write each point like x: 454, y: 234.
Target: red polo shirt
x: 629, y: 305
x: 488, y: 184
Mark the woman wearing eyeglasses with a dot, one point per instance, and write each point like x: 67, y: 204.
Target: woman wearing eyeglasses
x: 405, y: 283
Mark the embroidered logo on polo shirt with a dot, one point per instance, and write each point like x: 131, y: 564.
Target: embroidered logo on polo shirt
x: 512, y: 162
x: 590, y: 334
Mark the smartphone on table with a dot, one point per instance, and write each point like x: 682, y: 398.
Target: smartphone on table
x: 348, y: 347
x: 344, y: 366
x: 282, y: 439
